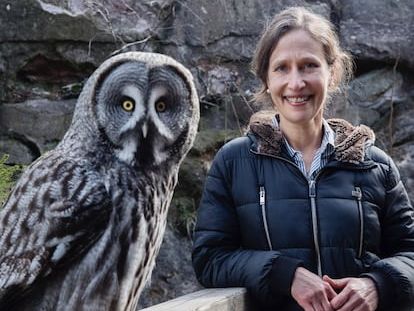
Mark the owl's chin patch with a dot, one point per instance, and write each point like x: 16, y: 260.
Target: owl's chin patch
x: 160, y: 157
x: 128, y: 151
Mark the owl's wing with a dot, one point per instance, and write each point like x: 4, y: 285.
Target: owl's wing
x: 55, y: 212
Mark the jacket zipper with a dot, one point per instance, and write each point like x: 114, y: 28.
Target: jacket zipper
x: 262, y: 198
x: 312, y: 197
x: 357, y: 193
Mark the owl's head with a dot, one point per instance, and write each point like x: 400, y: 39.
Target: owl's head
x: 145, y: 105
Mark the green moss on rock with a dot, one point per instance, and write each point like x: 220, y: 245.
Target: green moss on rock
x: 8, y: 177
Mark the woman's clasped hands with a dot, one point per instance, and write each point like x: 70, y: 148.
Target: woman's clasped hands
x: 313, y: 293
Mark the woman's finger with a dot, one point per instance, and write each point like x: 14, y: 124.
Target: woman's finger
x: 330, y: 293
x: 339, y: 300
x: 336, y: 283
x: 325, y: 305
x: 350, y: 305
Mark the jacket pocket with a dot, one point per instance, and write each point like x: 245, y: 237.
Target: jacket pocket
x: 357, y: 193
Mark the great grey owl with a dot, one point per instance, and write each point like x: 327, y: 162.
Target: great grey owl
x: 83, y: 225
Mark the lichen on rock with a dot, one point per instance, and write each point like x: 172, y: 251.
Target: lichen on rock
x: 8, y: 177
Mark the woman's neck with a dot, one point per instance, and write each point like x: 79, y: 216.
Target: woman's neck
x: 306, y: 138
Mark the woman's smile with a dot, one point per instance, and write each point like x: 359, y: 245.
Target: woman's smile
x: 297, y: 100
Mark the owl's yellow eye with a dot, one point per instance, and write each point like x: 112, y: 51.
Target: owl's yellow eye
x: 160, y: 106
x: 128, y: 105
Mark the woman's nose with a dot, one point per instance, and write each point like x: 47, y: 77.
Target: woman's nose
x: 296, y: 80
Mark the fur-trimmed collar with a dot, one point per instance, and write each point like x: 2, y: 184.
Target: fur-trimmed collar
x: 350, y: 141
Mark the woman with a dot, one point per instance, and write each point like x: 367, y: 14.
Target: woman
x: 305, y: 212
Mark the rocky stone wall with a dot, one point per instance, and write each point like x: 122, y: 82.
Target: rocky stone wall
x: 48, y: 49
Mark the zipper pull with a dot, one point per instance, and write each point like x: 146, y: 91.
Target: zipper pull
x: 262, y: 195
x: 357, y: 193
x: 312, y: 189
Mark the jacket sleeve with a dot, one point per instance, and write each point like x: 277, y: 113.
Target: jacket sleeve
x: 394, y: 273
x: 218, y: 258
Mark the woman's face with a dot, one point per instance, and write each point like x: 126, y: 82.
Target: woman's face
x: 298, y: 78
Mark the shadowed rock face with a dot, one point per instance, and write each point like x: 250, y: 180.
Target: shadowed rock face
x: 379, y: 32
x: 36, y: 125
x: 48, y: 48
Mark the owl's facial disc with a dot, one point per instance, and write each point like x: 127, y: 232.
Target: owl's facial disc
x: 144, y: 111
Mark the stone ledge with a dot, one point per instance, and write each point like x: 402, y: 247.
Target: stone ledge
x: 215, y: 299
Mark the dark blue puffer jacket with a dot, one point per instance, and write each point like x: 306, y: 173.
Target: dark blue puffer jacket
x: 260, y: 218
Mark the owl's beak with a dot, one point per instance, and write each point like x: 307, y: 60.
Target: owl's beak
x: 144, y: 130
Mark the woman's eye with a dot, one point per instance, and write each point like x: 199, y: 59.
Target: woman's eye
x: 311, y: 65
x: 160, y: 106
x: 280, y: 68
x: 128, y: 105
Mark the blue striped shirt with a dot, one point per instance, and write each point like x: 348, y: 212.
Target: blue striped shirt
x: 322, y: 155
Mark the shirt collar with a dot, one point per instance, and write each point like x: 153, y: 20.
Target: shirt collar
x: 328, y: 135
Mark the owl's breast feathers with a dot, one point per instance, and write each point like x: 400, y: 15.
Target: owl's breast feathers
x: 72, y: 233
x: 53, y: 215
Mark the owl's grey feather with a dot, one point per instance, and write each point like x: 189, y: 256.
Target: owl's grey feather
x: 82, y: 227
